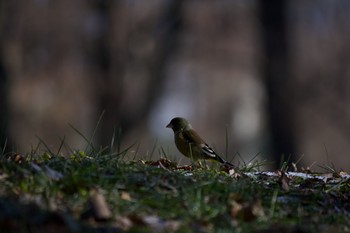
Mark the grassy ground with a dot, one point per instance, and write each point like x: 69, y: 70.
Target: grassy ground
x: 97, y: 192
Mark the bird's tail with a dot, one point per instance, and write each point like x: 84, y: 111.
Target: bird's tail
x: 228, y: 164
x: 224, y: 162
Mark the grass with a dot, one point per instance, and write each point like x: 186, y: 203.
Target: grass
x: 101, y: 191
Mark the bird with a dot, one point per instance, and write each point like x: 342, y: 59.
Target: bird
x: 190, y: 144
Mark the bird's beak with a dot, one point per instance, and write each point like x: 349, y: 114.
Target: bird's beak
x: 169, y: 125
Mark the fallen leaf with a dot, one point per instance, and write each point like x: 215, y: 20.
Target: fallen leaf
x: 244, y: 210
x: 228, y: 169
x: 123, y: 223
x: 284, y: 181
x: 165, y: 163
x: 99, y: 206
x: 186, y: 168
x: 235, y: 208
x: 125, y: 196
x: 234, y: 174
x: 17, y: 158
x: 231, y: 172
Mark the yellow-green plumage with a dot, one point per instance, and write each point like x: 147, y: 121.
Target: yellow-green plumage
x: 190, y: 144
x: 187, y: 148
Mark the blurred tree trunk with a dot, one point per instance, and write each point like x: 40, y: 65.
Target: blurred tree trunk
x: 275, y: 70
x: 113, y: 60
x: 4, y: 138
x: 167, y: 29
x: 109, y: 72
x: 5, y: 142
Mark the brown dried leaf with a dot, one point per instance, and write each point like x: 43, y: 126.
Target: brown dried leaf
x: 228, y: 169
x: 99, y: 206
x: 186, y: 168
x: 235, y: 175
x: 125, y: 196
x: 244, y: 210
x: 235, y: 209
x: 161, y: 163
x: 284, y: 181
x: 123, y: 223
x: 17, y: 158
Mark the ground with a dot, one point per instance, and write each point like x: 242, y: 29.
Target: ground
x: 104, y: 192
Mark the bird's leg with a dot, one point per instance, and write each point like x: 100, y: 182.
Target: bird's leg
x: 196, y: 163
x: 191, y: 154
x: 203, y: 163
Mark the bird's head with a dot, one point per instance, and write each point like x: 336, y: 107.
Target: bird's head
x: 177, y: 124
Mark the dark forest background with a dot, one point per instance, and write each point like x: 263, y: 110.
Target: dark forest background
x: 274, y: 75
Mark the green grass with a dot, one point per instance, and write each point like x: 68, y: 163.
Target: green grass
x: 47, y: 192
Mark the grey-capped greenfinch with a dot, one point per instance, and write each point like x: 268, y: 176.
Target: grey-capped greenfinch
x: 190, y: 144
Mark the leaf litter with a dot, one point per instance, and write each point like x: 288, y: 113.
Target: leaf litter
x: 160, y: 196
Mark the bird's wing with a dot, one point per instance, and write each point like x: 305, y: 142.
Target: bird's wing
x: 192, y: 137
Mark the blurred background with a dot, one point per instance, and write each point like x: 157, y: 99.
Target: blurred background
x: 253, y: 77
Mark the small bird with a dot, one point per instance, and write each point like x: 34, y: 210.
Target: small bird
x: 190, y: 144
